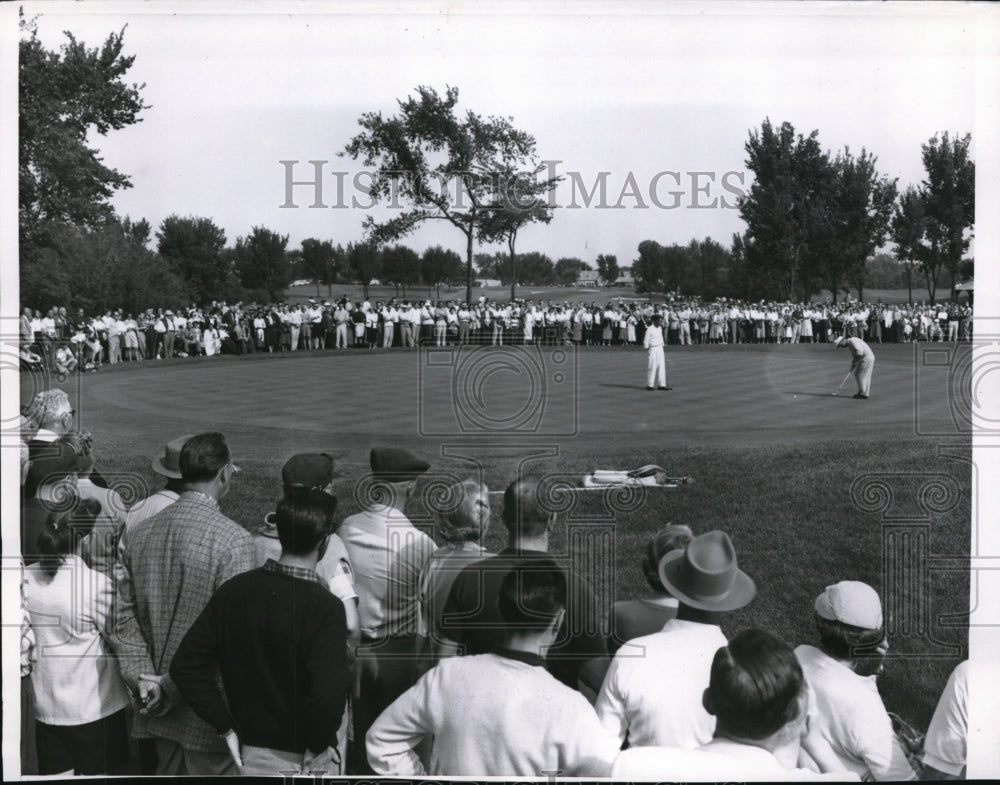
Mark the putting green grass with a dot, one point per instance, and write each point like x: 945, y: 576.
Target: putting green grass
x: 796, y: 476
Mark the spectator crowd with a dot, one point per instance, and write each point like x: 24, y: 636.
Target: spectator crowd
x: 67, y: 343
x: 163, y: 637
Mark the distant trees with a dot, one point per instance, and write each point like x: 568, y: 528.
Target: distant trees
x: 607, y: 268
x: 567, y: 270
x: 321, y: 262
x: 701, y: 268
x: 193, y: 248
x: 440, y: 265
x: 400, y: 266
x: 101, y: 268
x: 261, y: 263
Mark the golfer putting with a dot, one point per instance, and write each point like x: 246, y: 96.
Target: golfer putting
x: 656, y: 370
x: 862, y: 364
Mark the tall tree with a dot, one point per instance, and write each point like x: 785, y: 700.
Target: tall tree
x: 709, y: 266
x: 65, y: 99
x: 949, y: 200
x: 440, y: 265
x: 193, y: 247
x: 261, y: 261
x: 518, y: 199
x: 443, y: 166
x: 908, y: 226
x: 364, y: 261
x: 400, y: 266
x: 607, y: 268
x: 786, y: 208
x: 858, y: 218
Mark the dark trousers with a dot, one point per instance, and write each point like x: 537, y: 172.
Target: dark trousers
x: 386, y: 669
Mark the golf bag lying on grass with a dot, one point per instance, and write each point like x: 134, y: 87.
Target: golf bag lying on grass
x: 649, y: 475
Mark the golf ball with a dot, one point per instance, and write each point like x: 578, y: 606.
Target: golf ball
x: 795, y: 396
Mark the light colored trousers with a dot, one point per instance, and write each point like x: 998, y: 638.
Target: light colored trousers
x: 656, y: 375
x: 863, y: 374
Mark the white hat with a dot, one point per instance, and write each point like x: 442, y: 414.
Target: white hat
x: 838, y: 340
x: 851, y: 602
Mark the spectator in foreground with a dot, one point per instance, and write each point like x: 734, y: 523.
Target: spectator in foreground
x: 462, y: 527
x: 301, y: 475
x: 52, y: 476
x: 760, y: 700
x: 646, y: 615
x: 500, y: 713
x: 387, y: 553
x: 471, y: 622
x: 80, y: 699
x: 99, y: 547
x: 278, y: 638
x: 655, y: 698
x: 851, y: 716
x: 946, y: 744
x: 172, y: 564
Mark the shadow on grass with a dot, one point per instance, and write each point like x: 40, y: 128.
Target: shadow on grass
x: 842, y: 397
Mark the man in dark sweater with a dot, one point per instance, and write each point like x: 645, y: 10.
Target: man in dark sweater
x: 279, y: 640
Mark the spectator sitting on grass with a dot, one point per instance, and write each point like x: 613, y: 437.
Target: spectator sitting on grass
x: 65, y: 360
x: 646, y: 615
x: 851, y: 716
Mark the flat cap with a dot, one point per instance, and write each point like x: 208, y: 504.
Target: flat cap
x: 308, y: 470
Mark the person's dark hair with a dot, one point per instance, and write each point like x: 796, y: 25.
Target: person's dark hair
x: 531, y: 596
x: 845, y: 641
x: 754, y: 686
x: 203, y: 456
x: 524, y: 514
x: 670, y: 538
x: 62, y: 530
x: 304, y: 520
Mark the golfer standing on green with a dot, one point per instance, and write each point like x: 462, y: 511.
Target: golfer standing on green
x: 862, y: 363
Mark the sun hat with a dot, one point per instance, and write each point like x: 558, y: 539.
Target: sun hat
x: 851, y: 602
x: 169, y: 464
x: 705, y: 575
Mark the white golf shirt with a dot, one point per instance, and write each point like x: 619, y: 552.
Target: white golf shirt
x: 850, y: 716
x: 652, y: 692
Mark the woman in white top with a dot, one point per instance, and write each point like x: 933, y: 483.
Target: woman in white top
x: 80, y: 698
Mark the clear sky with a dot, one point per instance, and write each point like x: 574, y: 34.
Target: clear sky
x: 642, y: 89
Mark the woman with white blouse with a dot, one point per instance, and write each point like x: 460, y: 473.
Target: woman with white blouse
x: 80, y: 698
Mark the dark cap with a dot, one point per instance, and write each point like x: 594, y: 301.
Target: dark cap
x: 308, y: 470
x: 55, y: 461
x: 394, y: 465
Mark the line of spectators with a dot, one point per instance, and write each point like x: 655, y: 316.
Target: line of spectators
x: 82, y: 343
x: 168, y: 634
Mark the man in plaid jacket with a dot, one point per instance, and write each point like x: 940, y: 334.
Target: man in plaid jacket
x: 172, y: 564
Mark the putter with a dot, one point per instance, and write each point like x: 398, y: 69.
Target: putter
x: 835, y: 392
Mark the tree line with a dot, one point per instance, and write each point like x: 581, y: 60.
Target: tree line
x: 815, y: 220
